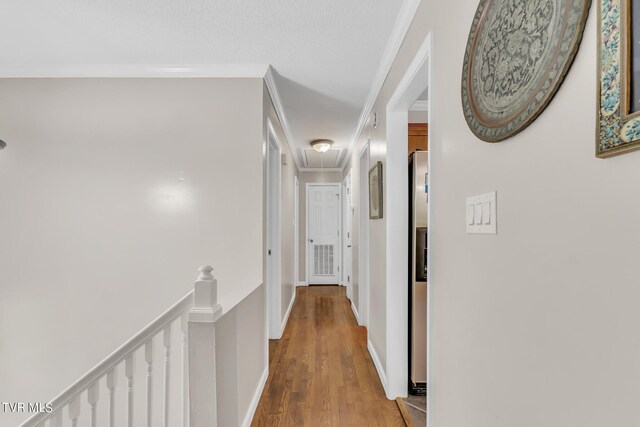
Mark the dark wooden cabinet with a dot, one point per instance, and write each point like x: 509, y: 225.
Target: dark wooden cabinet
x: 418, y: 137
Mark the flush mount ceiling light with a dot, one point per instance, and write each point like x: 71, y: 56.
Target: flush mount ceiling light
x: 321, y: 145
x: 2, y: 144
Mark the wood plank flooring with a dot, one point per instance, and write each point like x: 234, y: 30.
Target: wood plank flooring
x: 321, y: 373
x: 414, y: 410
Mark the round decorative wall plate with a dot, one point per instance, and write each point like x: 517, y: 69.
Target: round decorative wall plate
x: 518, y: 53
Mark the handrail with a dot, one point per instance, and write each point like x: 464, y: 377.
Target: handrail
x: 114, y: 359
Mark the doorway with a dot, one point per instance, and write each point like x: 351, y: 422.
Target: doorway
x: 347, y: 234
x: 296, y: 232
x: 323, y: 234
x: 273, y: 235
x: 363, y: 237
x: 413, y: 84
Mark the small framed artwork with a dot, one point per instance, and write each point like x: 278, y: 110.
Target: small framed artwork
x: 619, y: 70
x: 375, y: 191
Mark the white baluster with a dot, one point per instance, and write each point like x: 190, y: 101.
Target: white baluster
x: 202, y: 353
x: 93, y: 394
x: 74, y: 411
x: 148, y: 357
x: 129, y: 372
x: 112, y: 382
x: 184, y: 323
x: 56, y: 419
x: 166, y: 340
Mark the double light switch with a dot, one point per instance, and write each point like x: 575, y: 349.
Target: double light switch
x: 482, y: 214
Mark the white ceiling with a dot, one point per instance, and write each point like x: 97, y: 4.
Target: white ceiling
x: 312, y: 159
x: 424, y: 96
x: 327, y: 55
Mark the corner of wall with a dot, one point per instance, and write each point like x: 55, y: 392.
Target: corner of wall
x: 378, y: 365
x: 286, y: 316
x: 251, y: 412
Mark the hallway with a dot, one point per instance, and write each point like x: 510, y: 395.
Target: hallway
x: 320, y: 372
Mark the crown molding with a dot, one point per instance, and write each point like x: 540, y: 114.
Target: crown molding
x: 420, y: 106
x: 136, y: 71
x: 258, y: 71
x: 270, y: 81
x: 400, y: 29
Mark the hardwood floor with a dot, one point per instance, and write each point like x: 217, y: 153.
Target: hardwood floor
x: 321, y: 373
x: 414, y: 410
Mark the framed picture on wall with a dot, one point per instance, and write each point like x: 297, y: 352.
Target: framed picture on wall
x: 375, y: 191
x: 619, y: 71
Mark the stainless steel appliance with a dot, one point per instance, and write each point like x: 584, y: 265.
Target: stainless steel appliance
x: 418, y: 267
x: 421, y: 254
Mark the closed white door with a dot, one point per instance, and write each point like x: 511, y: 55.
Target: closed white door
x: 323, y: 238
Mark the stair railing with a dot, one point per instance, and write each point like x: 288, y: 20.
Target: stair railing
x: 197, y: 313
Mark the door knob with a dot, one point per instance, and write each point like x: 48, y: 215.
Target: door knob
x: 311, y: 240
x: 348, y: 246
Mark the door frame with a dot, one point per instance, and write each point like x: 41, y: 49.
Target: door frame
x: 413, y: 83
x: 296, y: 232
x: 306, y: 233
x: 273, y: 263
x: 347, y: 211
x: 363, y: 236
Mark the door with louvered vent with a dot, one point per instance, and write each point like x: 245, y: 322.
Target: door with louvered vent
x: 323, y: 240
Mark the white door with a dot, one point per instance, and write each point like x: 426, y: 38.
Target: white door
x: 347, y: 274
x: 323, y: 237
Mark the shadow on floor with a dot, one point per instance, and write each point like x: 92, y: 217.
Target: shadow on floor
x: 414, y: 410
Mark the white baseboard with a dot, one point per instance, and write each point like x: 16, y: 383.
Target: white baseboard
x: 355, y: 313
x: 256, y: 399
x: 265, y: 375
x: 378, y: 365
x: 303, y: 284
x: 286, y: 316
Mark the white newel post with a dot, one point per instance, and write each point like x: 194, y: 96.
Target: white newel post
x: 202, y: 350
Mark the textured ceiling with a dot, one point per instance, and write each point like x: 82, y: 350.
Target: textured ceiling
x: 325, y: 53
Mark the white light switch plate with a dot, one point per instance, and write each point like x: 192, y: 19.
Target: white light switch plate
x: 482, y: 215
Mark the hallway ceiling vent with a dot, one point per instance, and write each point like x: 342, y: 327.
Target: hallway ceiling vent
x: 330, y: 159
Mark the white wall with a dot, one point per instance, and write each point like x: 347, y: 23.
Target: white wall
x: 534, y: 326
x: 287, y: 206
x: 241, y: 359
x: 418, y: 116
x: 377, y: 319
x: 358, y: 275
x: 305, y: 178
x: 112, y: 193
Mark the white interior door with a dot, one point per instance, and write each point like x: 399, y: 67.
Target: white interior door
x: 323, y: 234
